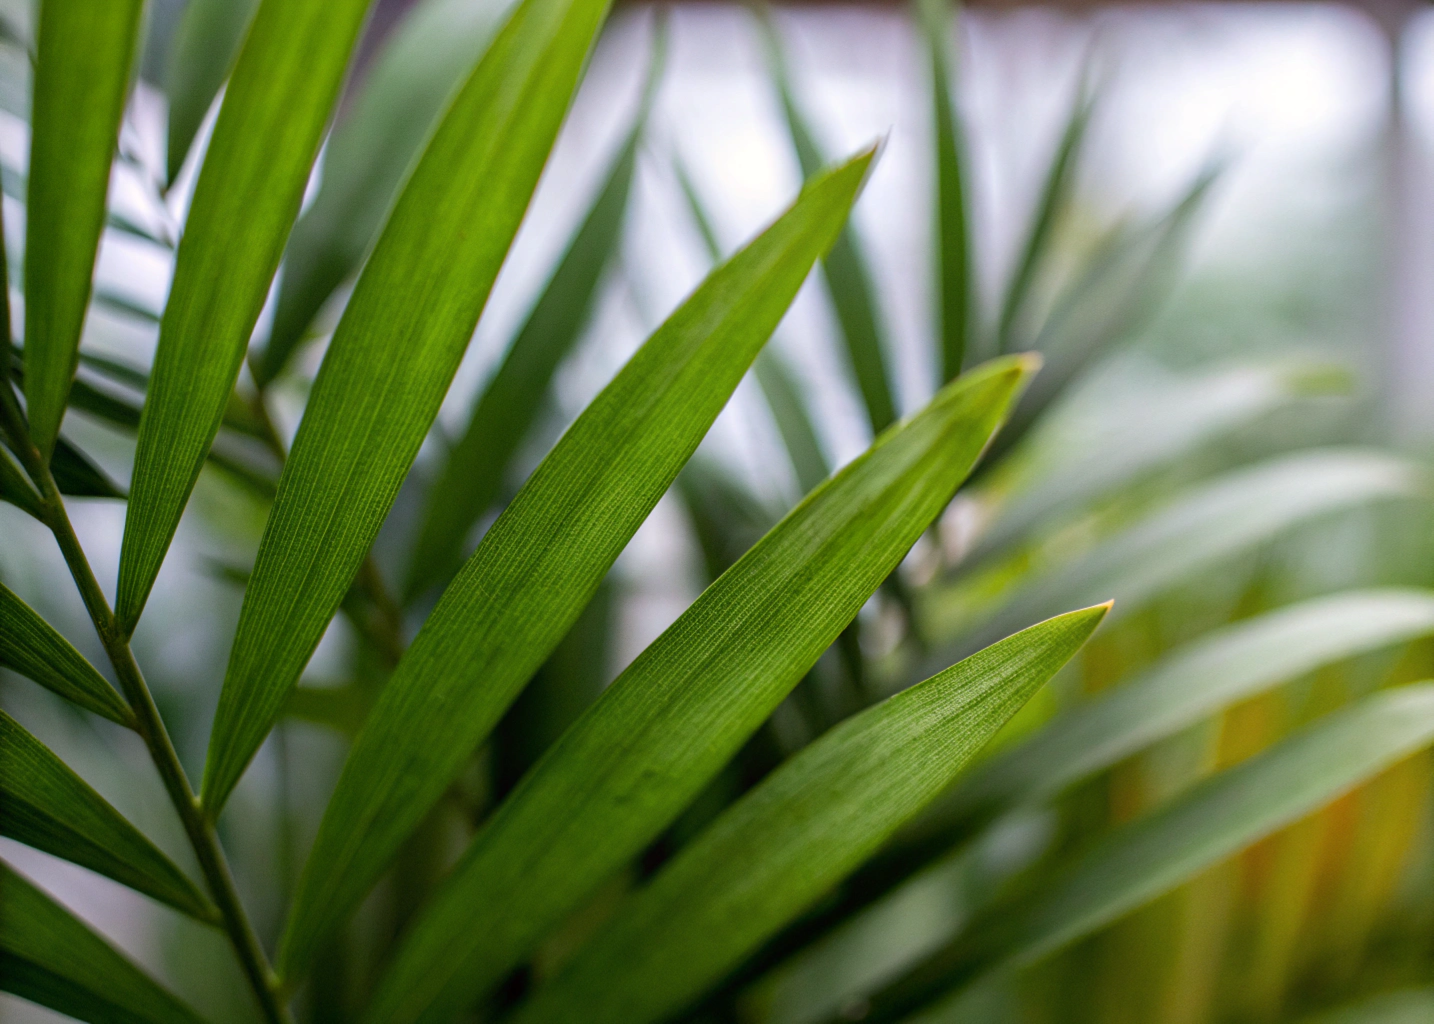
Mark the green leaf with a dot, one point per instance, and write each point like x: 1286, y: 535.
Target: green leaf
x: 1407, y: 1006
x: 368, y: 155
x: 1149, y: 857
x: 77, y: 476
x: 283, y: 89
x: 32, y: 647
x: 392, y: 358
x: 52, y: 959
x: 1189, y: 685
x: 541, y: 561
x: 81, y: 78
x: 848, y: 279
x: 1055, y: 194
x: 15, y: 487
x: 1229, y: 514
x: 204, y: 47
x: 799, y: 832
x: 49, y: 807
x: 955, y: 277
x: 686, y: 705
x: 470, y: 480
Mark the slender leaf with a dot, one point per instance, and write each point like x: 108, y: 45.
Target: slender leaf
x: 1229, y: 514
x: 1406, y: 1006
x: 955, y: 278
x: 1191, y: 684
x: 203, y: 50
x: 685, y: 706
x: 284, y: 86
x: 794, y: 421
x: 845, y: 267
x: 502, y: 416
x: 32, y: 647
x: 50, y: 958
x: 81, y: 77
x: 76, y: 475
x: 1153, y: 855
x: 540, y: 562
x: 1056, y: 192
x: 391, y: 360
x: 45, y: 805
x: 800, y: 831
x: 15, y: 487
x: 370, y: 152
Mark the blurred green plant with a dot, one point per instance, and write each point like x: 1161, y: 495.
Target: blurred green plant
x: 853, y: 779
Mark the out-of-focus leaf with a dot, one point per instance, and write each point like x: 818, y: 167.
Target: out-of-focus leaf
x: 368, y: 156
x: 1142, y: 860
x: 283, y: 89
x: 45, y: 805
x: 204, y: 47
x: 540, y: 562
x: 1229, y: 514
x: 115, y: 303
x: 1116, y: 291
x: 470, y: 480
x: 1056, y: 192
x: 845, y: 267
x: 392, y: 358
x: 32, y: 647
x: 81, y: 77
x: 799, y: 832
x: 1133, y: 421
x: 1189, y: 685
x: 726, y: 517
x: 15, y: 487
x: 1407, y: 1006
x: 685, y: 706
x: 956, y: 312
x: 339, y: 707
x: 50, y: 958
x: 78, y: 477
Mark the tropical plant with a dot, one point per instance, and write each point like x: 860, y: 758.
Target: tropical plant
x: 755, y: 818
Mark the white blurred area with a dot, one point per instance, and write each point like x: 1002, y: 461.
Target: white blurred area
x: 1296, y: 97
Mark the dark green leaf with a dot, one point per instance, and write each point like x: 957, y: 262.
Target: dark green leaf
x: 799, y: 832
x: 541, y: 561
x: 1153, y: 855
x: 50, y: 958
x: 502, y: 416
x: 955, y: 279
x: 15, y: 487
x: 392, y: 358
x: 368, y: 155
x: 685, y: 706
x: 283, y: 89
x: 81, y: 79
x: 845, y: 267
x: 204, y: 47
x: 32, y: 647
x: 45, y: 805
x: 78, y: 477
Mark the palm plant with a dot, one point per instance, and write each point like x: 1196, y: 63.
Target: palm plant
x: 749, y: 819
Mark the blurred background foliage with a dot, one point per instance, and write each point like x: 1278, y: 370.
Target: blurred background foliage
x: 1201, y: 217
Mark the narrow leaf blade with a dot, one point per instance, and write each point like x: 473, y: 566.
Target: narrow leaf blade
x: 204, y: 47
x: 800, y: 831
x: 540, y: 562
x: 81, y: 78
x: 32, y: 647
x: 685, y: 706
x: 52, y: 959
x: 283, y: 89
x: 391, y: 360
x: 49, y: 807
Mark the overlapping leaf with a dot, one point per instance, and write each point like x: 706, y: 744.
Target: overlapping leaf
x: 391, y: 360
x: 45, y: 805
x: 50, y: 958
x: 32, y: 647
x: 283, y: 89
x: 803, y: 828
x: 81, y: 78
x: 688, y: 702
x: 204, y: 47
x: 543, y: 558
